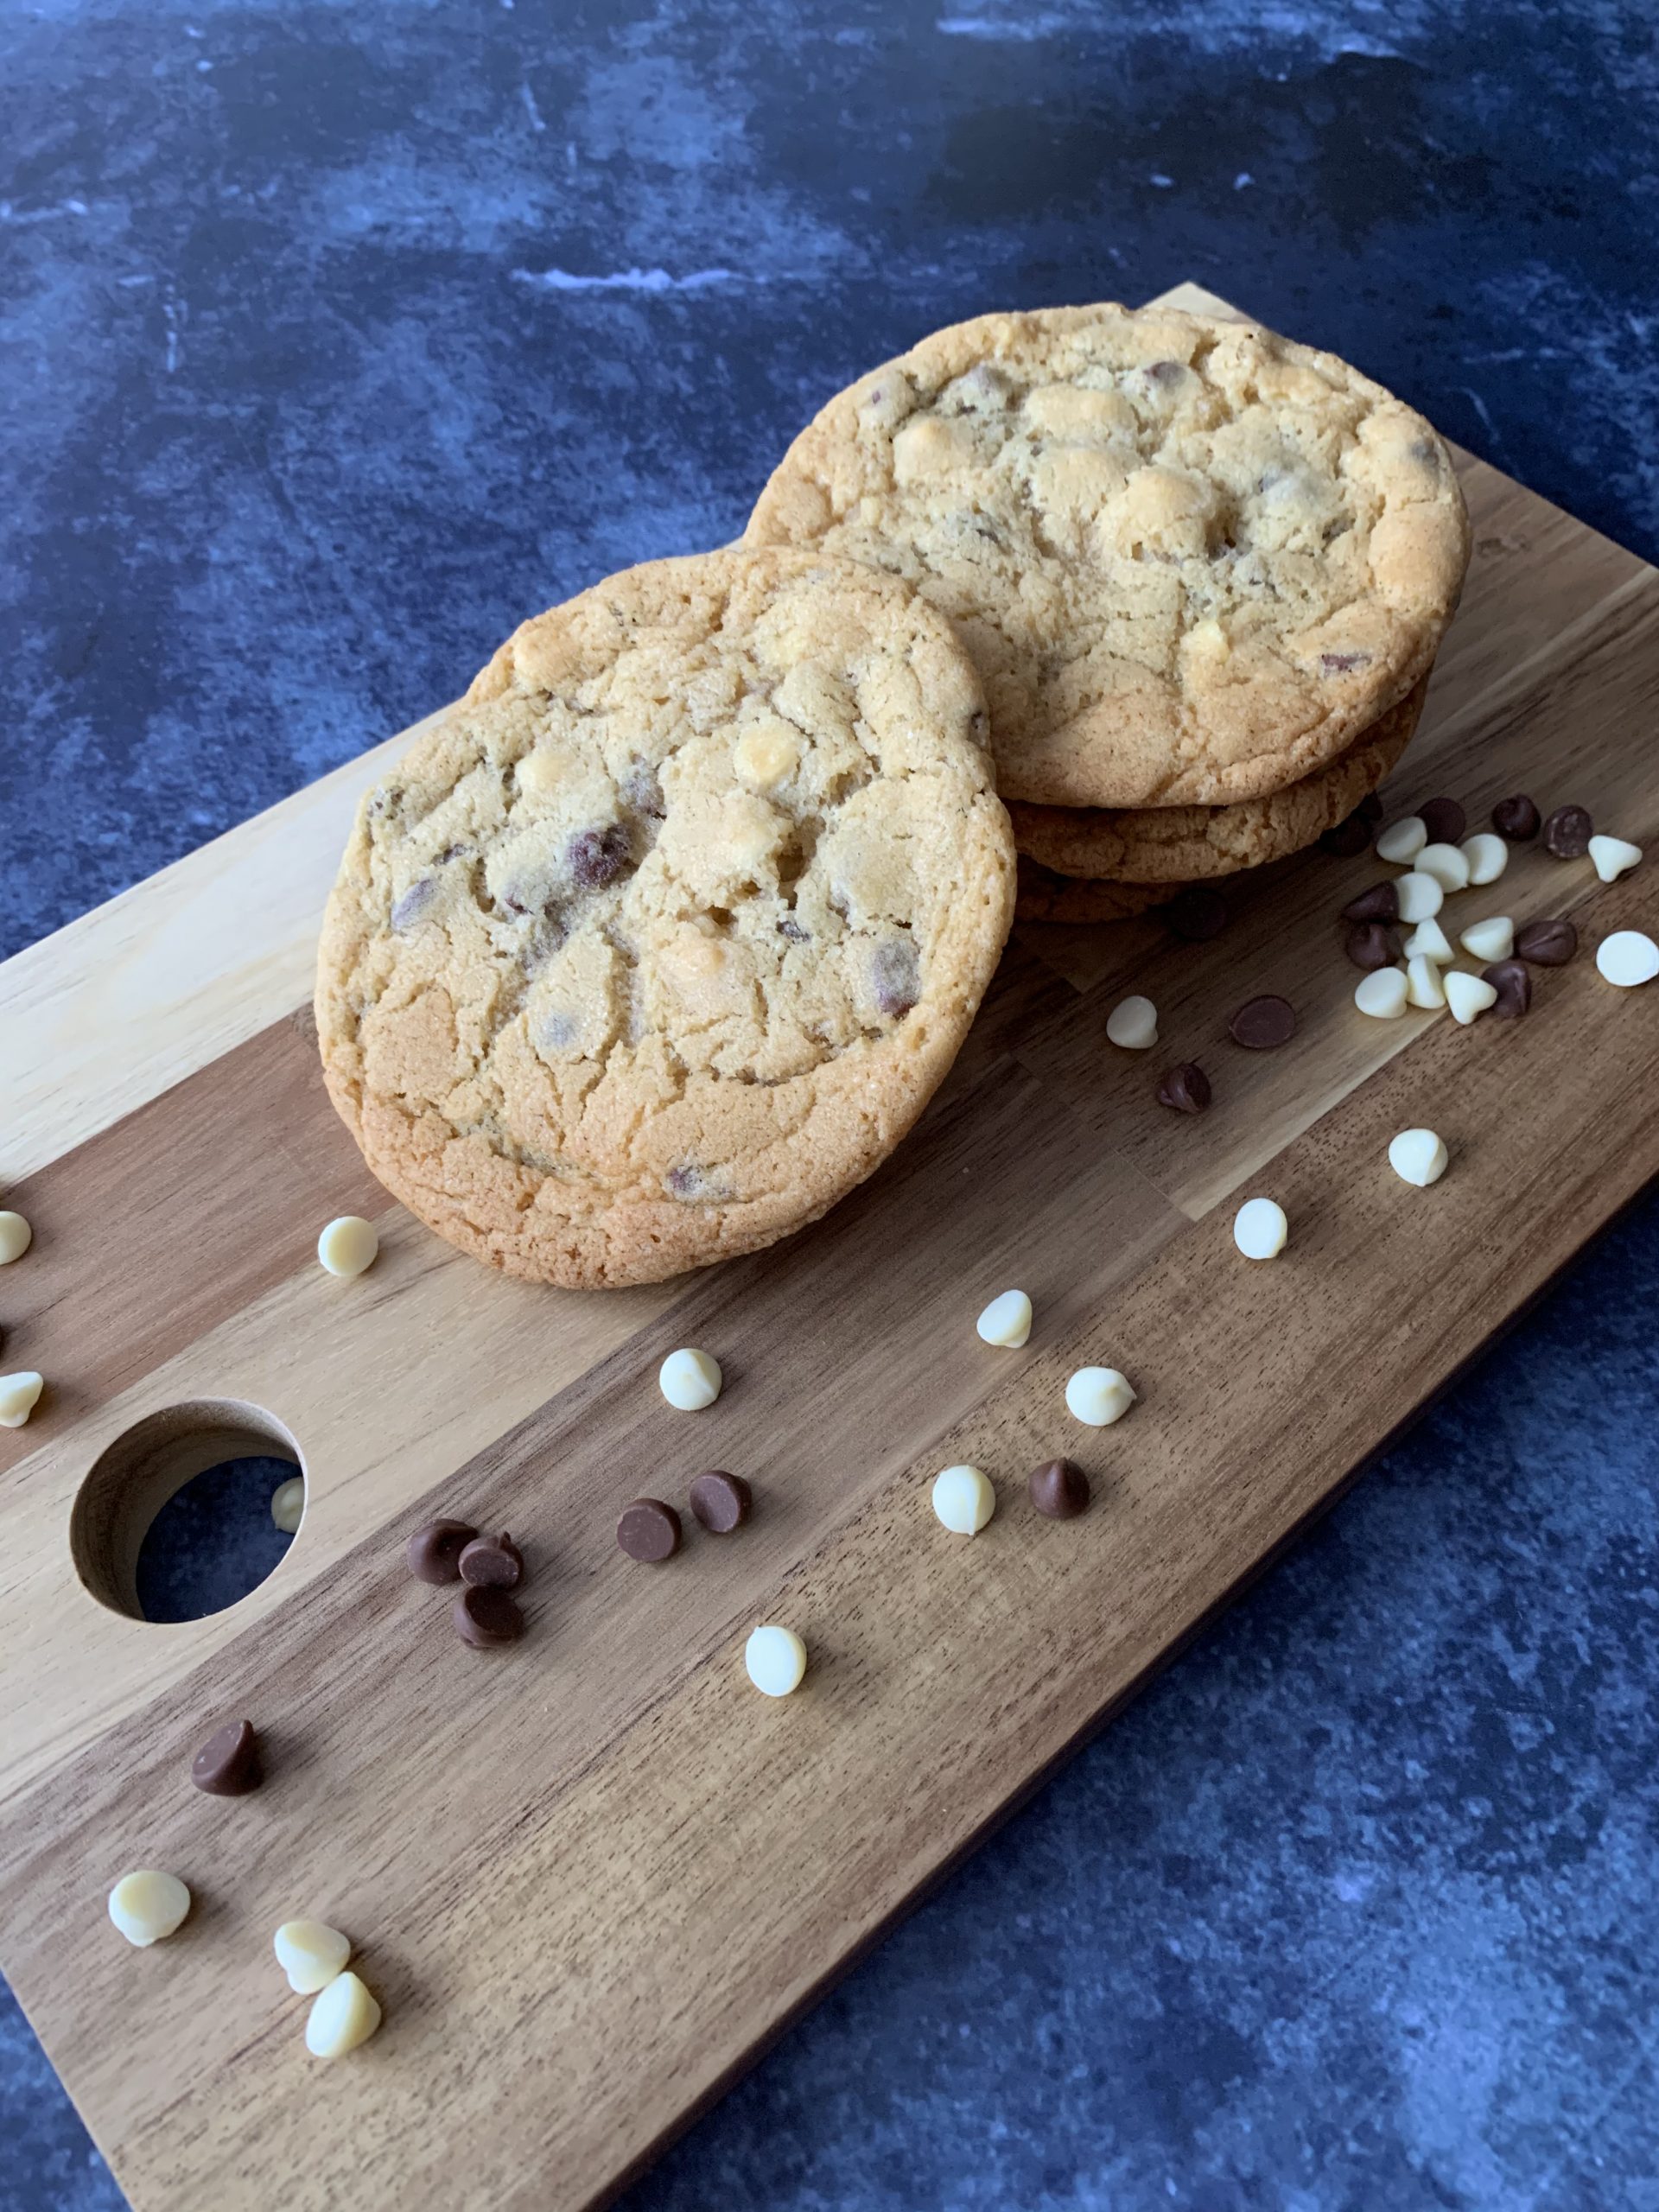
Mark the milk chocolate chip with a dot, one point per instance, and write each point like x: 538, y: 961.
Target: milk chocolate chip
x: 1380, y: 904
x: 649, y: 1530
x: 1567, y: 833
x: 1186, y: 1088
x: 1443, y: 820
x: 1516, y: 819
x: 492, y: 1563
x: 1548, y: 944
x: 1513, y: 984
x: 1058, y: 1489
x: 434, y: 1553
x: 227, y: 1765
x: 1262, y: 1025
x: 1373, y: 944
x: 484, y: 1617
x: 719, y: 1502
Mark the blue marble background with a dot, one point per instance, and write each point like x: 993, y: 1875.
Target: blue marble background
x: 333, y: 338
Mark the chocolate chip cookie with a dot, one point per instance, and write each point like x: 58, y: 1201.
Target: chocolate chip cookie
x: 1192, y: 560
x: 1162, y: 844
x: 659, y: 942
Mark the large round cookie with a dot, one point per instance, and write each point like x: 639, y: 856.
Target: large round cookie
x: 1192, y: 560
x: 659, y: 943
x: 1186, y: 844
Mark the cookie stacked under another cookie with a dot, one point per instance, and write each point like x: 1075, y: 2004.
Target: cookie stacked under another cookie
x: 1203, y: 572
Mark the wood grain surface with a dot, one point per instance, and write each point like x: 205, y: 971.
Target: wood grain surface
x: 591, y: 1876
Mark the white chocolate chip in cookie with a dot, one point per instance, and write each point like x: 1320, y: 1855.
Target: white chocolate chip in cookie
x: 1493, y: 939
x: 775, y: 1659
x: 1446, y: 864
x: 1627, y: 958
x: 1423, y: 983
x: 1383, y: 993
x: 344, y: 2016
x: 288, y: 1504
x: 1468, y: 996
x: 1260, y: 1229
x: 928, y: 446
x: 1098, y: 1396
x: 310, y: 1953
x: 1421, y: 896
x: 766, y: 754
x: 1613, y: 857
x: 1417, y: 1156
x: 964, y: 1500
x: 1133, y: 1023
x: 1486, y: 854
x: 689, y: 1380
x: 19, y: 1395
x: 16, y: 1237
x: 1428, y: 941
x: 1401, y: 841
x: 146, y: 1906
x: 348, y: 1246
x: 1007, y: 1320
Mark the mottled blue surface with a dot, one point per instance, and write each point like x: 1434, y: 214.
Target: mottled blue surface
x: 335, y: 337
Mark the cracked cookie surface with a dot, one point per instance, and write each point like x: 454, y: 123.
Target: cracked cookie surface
x: 659, y: 942
x: 1192, y: 560
x: 1188, y: 844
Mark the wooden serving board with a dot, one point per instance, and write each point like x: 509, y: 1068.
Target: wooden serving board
x: 591, y: 1876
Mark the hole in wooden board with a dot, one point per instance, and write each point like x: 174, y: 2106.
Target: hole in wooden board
x: 173, y: 1521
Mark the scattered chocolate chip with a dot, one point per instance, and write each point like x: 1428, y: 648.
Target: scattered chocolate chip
x: 1567, y: 833
x: 649, y: 1530
x: 595, y: 855
x: 893, y: 976
x: 414, y: 902
x: 1196, y: 915
x: 484, y: 1616
x: 1262, y: 1025
x: 227, y: 1765
x: 1549, y: 943
x: 434, y: 1553
x: 1444, y: 821
x: 1341, y: 664
x: 1516, y: 818
x: 719, y: 1502
x: 1513, y: 984
x: 1348, y: 839
x: 1380, y: 904
x: 1372, y: 944
x: 790, y: 928
x: 1186, y: 1088
x: 492, y: 1563
x: 1165, y: 372
x: 1060, y: 1489
x: 1369, y: 808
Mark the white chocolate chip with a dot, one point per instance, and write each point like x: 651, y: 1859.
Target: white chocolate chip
x: 1613, y: 857
x: 1446, y: 864
x: 1487, y: 855
x: 1381, y: 993
x: 1417, y: 1156
x: 1428, y: 941
x: 16, y: 1237
x: 1490, y: 940
x: 310, y: 1953
x: 348, y: 1246
x: 1627, y: 958
x: 1420, y: 896
x: 1133, y: 1023
x: 1467, y: 996
x: 1423, y: 983
x: 146, y: 1906
x: 19, y: 1395
x: 962, y: 1499
x: 776, y: 1660
x: 1098, y: 1397
x: 344, y: 2016
x: 288, y: 1504
x: 766, y: 753
x: 1007, y: 1320
x: 689, y: 1380
x: 1401, y: 841
x: 1260, y: 1229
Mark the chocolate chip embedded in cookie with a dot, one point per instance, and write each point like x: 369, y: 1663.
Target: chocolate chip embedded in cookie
x: 1192, y: 560
x: 662, y: 939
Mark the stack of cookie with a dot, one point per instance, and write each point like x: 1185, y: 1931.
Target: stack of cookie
x: 1203, y: 572
x: 659, y: 942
